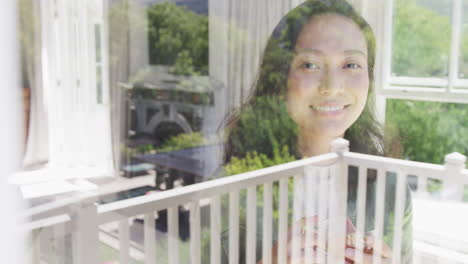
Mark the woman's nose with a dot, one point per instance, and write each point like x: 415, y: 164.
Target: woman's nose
x: 331, y: 82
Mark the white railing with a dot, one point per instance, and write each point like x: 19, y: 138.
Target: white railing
x: 83, y: 220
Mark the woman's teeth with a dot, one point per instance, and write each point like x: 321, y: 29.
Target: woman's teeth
x: 328, y: 108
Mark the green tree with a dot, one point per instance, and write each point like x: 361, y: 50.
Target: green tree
x: 429, y: 130
x: 464, y: 44
x: 179, y: 37
x: 421, y: 41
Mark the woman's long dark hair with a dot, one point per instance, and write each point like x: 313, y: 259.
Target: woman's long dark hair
x: 267, y: 98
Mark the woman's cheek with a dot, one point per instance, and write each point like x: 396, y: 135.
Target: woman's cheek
x: 293, y: 83
x: 296, y: 98
x: 359, y: 86
x: 302, y: 83
x: 359, y: 81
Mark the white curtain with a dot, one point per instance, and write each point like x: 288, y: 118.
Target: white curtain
x: 37, y: 143
x: 70, y: 123
x: 118, y: 15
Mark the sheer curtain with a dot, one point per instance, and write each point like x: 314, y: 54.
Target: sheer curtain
x: 37, y: 143
x: 118, y: 15
x: 67, y: 68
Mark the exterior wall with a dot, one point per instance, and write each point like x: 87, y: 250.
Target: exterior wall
x: 11, y: 136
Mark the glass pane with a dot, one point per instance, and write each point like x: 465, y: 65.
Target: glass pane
x: 97, y: 39
x: 421, y: 124
x: 177, y: 91
x: 198, y: 69
x: 421, y: 38
x: 463, y: 70
x: 427, y: 131
x: 99, y: 84
x: 197, y: 91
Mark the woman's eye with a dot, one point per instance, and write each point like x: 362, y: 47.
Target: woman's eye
x: 352, y: 66
x: 309, y: 65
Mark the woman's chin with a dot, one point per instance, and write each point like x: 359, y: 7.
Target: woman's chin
x: 329, y: 128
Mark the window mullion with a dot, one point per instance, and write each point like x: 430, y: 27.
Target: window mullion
x: 455, y: 44
x: 387, y: 43
x: 427, y: 94
x: 384, y: 20
x: 418, y: 81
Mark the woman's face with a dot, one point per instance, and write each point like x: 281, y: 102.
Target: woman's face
x: 328, y: 79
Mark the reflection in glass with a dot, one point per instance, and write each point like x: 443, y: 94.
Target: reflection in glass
x: 174, y: 106
x: 175, y: 69
x: 463, y: 63
x: 421, y: 38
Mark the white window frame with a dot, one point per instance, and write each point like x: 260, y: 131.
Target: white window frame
x: 69, y: 74
x: 448, y: 90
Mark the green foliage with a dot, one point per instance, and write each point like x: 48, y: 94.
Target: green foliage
x: 255, y: 161
x: 429, y: 130
x: 178, y: 37
x: 464, y: 46
x: 184, y: 64
x: 422, y: 36
x: 420, y: 46
x: 139, y: 150
x: 263, y: 129
x: 272, y: 80
x: 148, y: 148
x: 183, y: 141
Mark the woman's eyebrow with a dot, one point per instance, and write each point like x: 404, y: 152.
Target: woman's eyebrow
x: 355, y: 52
x: 313, y: 51
x: 321, y: 53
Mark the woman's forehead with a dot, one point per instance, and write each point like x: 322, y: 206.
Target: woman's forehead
x: 331, y: 33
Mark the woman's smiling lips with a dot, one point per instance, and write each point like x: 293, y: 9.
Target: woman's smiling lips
x: 329, y: 110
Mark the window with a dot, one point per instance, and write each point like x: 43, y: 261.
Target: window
x: 425, y: 78
x: 420, y: 33
x: 70, y: 80
x: 424, y: 50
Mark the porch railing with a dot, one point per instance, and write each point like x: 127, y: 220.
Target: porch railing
x: 82, y: 220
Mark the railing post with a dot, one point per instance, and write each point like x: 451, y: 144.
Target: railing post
x: 85, y: 232
x: 338, y: 203
x: 453, y: 180
x: 340, y: 145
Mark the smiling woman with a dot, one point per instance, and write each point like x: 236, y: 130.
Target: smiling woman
x: 328, y: 81
x: 317, y: 69
x: 316, y: 76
